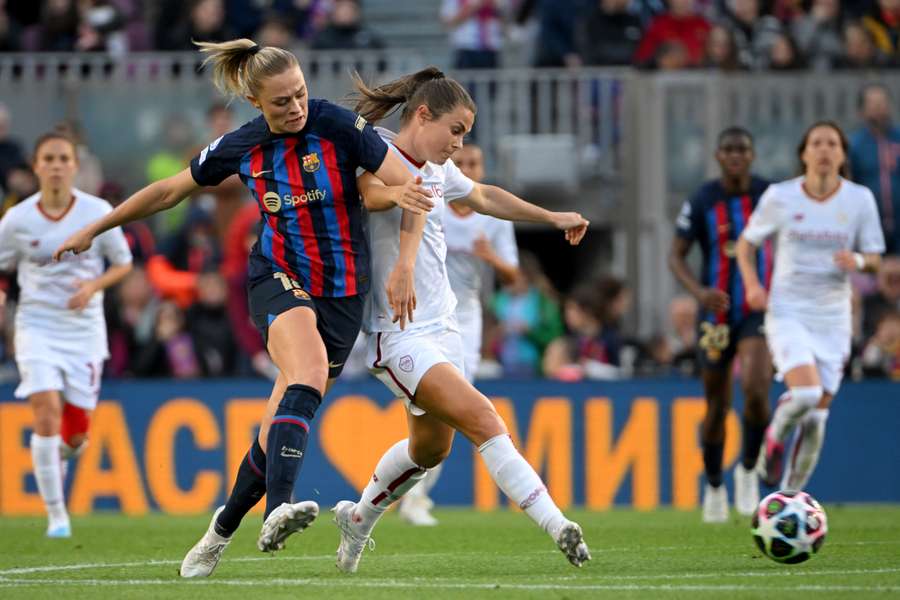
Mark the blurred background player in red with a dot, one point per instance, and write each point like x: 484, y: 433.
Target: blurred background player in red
x: 60, y: 330
x: 714, y: 218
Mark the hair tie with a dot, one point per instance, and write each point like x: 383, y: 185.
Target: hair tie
x: 254, y: 49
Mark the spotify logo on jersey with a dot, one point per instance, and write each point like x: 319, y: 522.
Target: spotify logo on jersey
x: 272, y: 201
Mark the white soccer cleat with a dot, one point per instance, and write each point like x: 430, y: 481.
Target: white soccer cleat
x: 59, y: 530
x: 285, y: 520
x: 746, y: 490
x: 715, y: 504
x: 570, y: 541
x: 353, y: 542
x: 416, y: 510
x: 201, y: 560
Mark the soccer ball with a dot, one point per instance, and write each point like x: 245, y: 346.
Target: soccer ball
x: 789, y: 527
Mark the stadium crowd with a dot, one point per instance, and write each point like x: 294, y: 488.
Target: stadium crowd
x: 731, y: 35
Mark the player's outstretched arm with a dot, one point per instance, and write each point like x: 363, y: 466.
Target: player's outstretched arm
x: 497, y: 202
x: 403, y: 191
x: 745, y: 253
x: 157, y: 196
x: 410, y: 196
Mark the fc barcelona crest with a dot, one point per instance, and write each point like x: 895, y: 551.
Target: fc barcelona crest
x: 311, y: 162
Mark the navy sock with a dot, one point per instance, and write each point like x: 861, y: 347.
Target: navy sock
x: 712, y: 462
x: 249, y: 487
x: 752, y: 440
x: 287, y: 442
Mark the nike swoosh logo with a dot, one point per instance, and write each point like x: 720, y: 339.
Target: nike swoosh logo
x: 255, y: 175
x: 332, y: 365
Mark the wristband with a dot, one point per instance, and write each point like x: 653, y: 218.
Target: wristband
x: 860, y: 260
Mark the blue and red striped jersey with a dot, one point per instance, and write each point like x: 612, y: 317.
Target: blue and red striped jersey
x: 715, y: 218
x: 305, y: 186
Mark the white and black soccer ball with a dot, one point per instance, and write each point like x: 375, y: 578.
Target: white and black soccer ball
x: 789, y: 527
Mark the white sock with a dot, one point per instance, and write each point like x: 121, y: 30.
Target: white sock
x: 48, y: 473
x: 425, y: 486
x: 395, y: 474
x: 807, y: 448
x: 521, y: 484
x: 792, y: 407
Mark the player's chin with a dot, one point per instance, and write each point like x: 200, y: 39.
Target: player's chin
x: 295, y: 125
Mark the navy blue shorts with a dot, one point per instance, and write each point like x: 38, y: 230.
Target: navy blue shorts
x: 717, y: 342
x: 337, y: 319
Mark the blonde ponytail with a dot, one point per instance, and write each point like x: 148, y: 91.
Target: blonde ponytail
x: 239, y: 66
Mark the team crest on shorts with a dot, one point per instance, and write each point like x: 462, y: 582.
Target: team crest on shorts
x: 311, y: 162
x: 300, y: 294
x: 406, y: 364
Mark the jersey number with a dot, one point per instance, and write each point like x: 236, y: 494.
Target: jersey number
x: 291, y: 285
x: 714, y: 339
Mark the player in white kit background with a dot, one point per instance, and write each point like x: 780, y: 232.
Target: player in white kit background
x: 474, y: 242
x: 826, y: 227
x: 422, y: 361
x: 60, y: 330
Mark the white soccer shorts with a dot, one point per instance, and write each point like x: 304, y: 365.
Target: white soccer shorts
x: 399, y: 359
x: 470, y: 331
x: 794, y: 342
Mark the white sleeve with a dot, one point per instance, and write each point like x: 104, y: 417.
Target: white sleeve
x: 870, y: 238
x: 766, y: 219
x: 456, y: 185
x: 9, y: 256
x: 114, y: 246
x: 504, y: 242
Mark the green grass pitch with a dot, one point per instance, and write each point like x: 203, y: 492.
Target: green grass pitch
x: 663, y: 554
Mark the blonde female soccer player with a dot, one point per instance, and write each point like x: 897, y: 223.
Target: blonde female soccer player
x: 826, y: 227
x: 309, y: 270
x: 60, y: 330
x: 422, y: 361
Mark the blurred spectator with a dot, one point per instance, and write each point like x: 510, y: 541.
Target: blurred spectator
x: 787, y: 11
x: 671, y: 56
x: 819, y: 34
x: 276, y: 31
x: 170, y: 159
x: 130, y: 316
x: 783, y: 54
x: 11, y: 153
x: 90, y: 171
x: 886, y: 298
x: 881, y: 355
x: 21, y: 182
x: 10, y: 30
x: 204, y: 22
x: 528, y: 319
x: 138, y: 235
x: 170, y: 353
x: 754, y: 33
x: 585, y: 350
x: 556, y: 31
x: 859, y: 49
x: 682, y: 336
x: 679, y: 25
x: 57, y: 30
x: 476, y: 32
x: 721, y: 50
x: 345, y: 30
x: 610, y: 34
x: 883, y: 24
x: 874, y: 154
x: 208, y: 325
x: 102, y: 27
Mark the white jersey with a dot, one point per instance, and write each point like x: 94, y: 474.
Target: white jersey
x: 464, y: 269
x: 28, y: 238
x: 434, y: 298
x: 806, y: 283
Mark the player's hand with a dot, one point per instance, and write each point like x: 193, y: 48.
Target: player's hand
x: 78, y: 242
x: 401, y: 294
x: 80, y: 299
x: 846, y: 261
x: 714, y: 300
x: 414, y: 198
x: 573, y: 224
x: 757, y: 297
x: 482, y: 248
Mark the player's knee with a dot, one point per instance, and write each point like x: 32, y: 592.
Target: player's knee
x: 808, y: 396
x: 429, y: 457
x: 300, y: 399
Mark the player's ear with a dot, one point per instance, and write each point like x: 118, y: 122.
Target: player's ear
x: 254, y: 102
x: 423, y: 115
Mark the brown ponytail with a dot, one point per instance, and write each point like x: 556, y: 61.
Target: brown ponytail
x: 428, y: 86
x: 240, y: 66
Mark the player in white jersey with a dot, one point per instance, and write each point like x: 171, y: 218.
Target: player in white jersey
x: 473, y: 241
x: 422, y: 361
x: 826, y: 227
x: 60, y: 331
